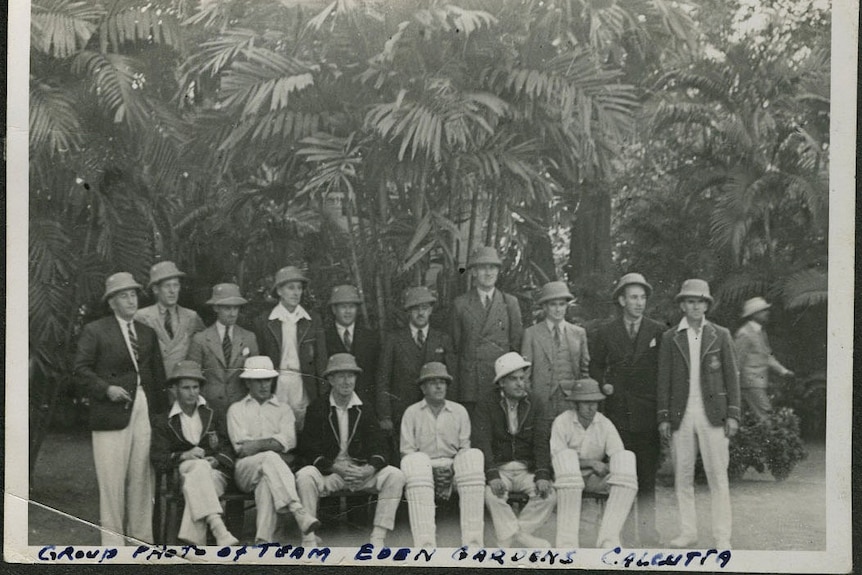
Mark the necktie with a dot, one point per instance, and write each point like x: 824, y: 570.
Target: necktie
x: 169, y: 324
x: 420, y: 338
x: 347, y: 341
x: 133, y: 340
x: 487, y: 304
x: 226, y: 346
x: 633, y: 332
x: 557, y: 335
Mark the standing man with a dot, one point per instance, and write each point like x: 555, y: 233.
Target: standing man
x: 513, y: 433
x: 405, y: 351
x: 698, y: 406
x: 755, y: 357
x: 588, y: 454
x: 435, y: 449
x: 624, y: 354
x: 174, y: 325
x: 293, y: 339
x: 192, y: 438
x: 486, y: 324
x: 262, y: 430
x: 556, y: 348
x: 222, y: 348
x: 346, y: 336
x: 119, y: 368
x: 343, y: 441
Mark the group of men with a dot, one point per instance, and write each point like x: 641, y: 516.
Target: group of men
x: 294, y: 411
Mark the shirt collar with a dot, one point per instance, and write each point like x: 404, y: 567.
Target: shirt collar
x: 484, y: 294
x: 425, y: 405
x: 551, y: 325
x: 755, y: 326
x: 220, y: 327
x: 683, y: 324
x: 636, y: 322
x: 341, y: 329
x: 175, y: 409
x: 163, y: 309
x: 280, y: 312
x: 123, y: 323
x: 414, y: 330
x: 354, y: 401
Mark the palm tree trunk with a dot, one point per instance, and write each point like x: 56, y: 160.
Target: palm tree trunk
x: 354, y: 259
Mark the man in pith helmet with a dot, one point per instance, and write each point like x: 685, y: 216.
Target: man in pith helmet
x: 346, y: 335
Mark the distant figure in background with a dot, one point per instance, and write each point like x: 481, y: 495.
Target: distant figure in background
x: 486, y: 324
x: 624, y: 355
x: 120, y: 369
x: 347, y: 336
x: 222, y: 348
x: 174, y: 325
x: 755, y: 357
x: 192, y: 438
x: 556, y: 348
x: 293, y: 339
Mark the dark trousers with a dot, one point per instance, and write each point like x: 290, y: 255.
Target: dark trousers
x: 646, y: 445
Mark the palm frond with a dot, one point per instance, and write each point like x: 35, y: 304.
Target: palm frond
x: 62, y: 27
x: 54, y: 122
x: 132, y: 21
x: 805, y: 288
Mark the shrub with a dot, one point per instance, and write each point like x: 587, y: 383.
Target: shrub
x: 771, y: 444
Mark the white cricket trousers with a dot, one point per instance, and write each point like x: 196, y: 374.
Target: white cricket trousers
x: 126, y: 478
x: 202, y: 487
x: 535, y: 513
x: 274, y: 488
x: 695, y: 431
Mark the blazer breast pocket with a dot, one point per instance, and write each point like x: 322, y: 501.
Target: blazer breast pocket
x: 712, y: 362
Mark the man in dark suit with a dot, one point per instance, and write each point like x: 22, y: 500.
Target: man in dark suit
x: 119, y: 368
x: 222, y: 348
x: 698, y: 404
x: 192, y: 439
x: 347, y: 336
x: 625, y: 360
x: 486, y: 324
x: 293, y: 339
x: 405, y: 351
x: 345, y: 446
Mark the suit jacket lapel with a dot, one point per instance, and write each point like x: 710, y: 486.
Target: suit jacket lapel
x: 274, y: 326
x: 709, y: 339
x: 546, y: 340
x: 302, y: 327
x: 353, y: 416
x: 681, y: 341
x: 206, y: 419
x: 238, y: 342
x: 475, y: 307
x: 120, y: 338
x: 494, y: 309
x: 177, y: 428
x: 214, y: 344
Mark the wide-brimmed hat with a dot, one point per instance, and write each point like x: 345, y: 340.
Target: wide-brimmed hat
x: 694, y: 288
x: 509, y: 363
x: 288, y: 274
x: 555, y: 290
x: 258, y: 367
x: 433, y: 370
x: 586, y: 389
x: 164, y: 271
x: 344, y: 294
x: 418, y: 295
x: 118, y: 282
x: 753, y: 306
x: 631, y: 279
x: 187, y: 369
x: 484, y: 255
x: 341, y: 362
x: 226, y: 294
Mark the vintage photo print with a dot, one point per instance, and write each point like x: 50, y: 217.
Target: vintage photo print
x: 517, y: 283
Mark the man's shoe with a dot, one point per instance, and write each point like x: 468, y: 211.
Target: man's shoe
x: 528, y: 540
x: 378, y: 542
x: 226, y: 539
x: 609, y: 544
x: 306, y: 521
x: 723, y: 544
x: 683, y: 542
x: 311, y: 541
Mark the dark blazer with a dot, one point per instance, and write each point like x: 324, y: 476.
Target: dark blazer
x: 480, y: 337
x: 312, y: 349
x: 103, y: 359
x: 399, y: 367
x: 319, y: 440
x: 223, y: 385
x: 168, y: 441
x: 632, y: 368
x: 719, y: 376
x: 531, y: 444
x: 365, y: 348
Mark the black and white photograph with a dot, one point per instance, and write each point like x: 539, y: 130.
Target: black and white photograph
x: 463, y: 283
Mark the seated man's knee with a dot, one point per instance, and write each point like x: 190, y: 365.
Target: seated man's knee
x: 416, y: 467
x: 567, y: 470
x: 394, y: 476
x: 307, y: 475
x: 623, y: 470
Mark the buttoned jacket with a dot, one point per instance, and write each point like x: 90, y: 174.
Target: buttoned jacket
x: 481, y: 336
x: 173, y: 349
x: 539, y: 349
x: 103, y: 359
x: 169, y: 443
x: 755, y: 357
x: 719, y: 376
x: 223, y: 385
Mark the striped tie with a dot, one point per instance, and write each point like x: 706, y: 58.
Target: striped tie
x: 226, y: 346
x: 420, y: 339
x: 169, y: 328
x: 347, y: 341
x: 133, y: 341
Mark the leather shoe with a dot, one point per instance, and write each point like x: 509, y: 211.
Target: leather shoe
x: 306, y: 521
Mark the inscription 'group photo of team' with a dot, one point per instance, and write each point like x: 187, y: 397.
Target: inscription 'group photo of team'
x: 526, y: 422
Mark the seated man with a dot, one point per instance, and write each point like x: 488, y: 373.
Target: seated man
x: 261, y: 429
x: 511, y: 429
x: 193, y: 439
x: 581, y: 440
x: 344, y: 442
x: 435, y: 446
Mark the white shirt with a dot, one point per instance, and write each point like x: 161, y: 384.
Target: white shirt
x: 220, y: 327
x: 342, y: 329
x: 441, y: 435
x: 192, y: 425
x: 124, y: 328
x: 247, y: 419
x: 415, y: 330
x: 486, y: 297
x: 561, y: 326
x: 512, y: 415
x: 637, y: 324
x: 695, y: 338
x: 290, y: 377
x: 600, y: 438
x: 343, y: 423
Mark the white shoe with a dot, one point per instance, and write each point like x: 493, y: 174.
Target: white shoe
x: 226, y: 539
x: 722, y: 545
x: 311, y: 540
x: 306, y: 521
x: 683, y: 542
x: 378, y: 542
x: 506, y: 543
x: 528, y: 540
x: 608, y: 544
